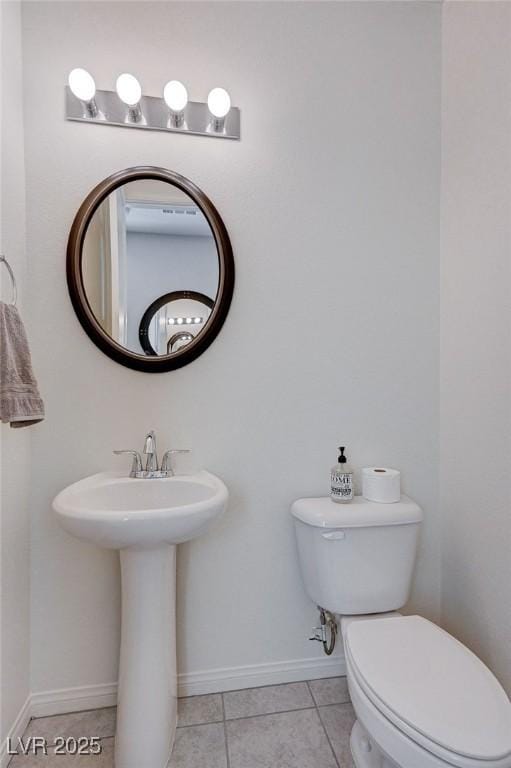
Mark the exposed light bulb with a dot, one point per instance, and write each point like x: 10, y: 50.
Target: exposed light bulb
x: 128, y: 89
x: 82, y: 84
x: 175, y: 96
x: 171, y: 321
x: 219, y: 102
x: 179, y: 321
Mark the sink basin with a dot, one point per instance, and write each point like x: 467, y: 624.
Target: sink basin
x: 116, y: 511
x: 145, y: 519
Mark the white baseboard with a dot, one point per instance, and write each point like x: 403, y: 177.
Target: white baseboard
x: 65, y: 700
x: 256, y: 675
x: 16, y: 731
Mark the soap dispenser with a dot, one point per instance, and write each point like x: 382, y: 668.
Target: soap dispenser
x: 341, y: 480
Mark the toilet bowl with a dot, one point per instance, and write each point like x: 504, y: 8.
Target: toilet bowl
x: 422, y: 699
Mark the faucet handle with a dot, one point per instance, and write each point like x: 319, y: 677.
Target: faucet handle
x: 166, y: 462
x: 136, y: 465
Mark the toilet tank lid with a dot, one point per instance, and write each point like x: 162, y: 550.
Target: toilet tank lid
x: 322, y: 512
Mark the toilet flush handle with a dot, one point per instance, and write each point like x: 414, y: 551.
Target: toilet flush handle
x: 334, y: 535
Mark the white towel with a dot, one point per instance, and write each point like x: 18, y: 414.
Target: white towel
x: 20, y: 401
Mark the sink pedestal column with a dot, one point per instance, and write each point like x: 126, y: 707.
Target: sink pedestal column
x: 147, y: 697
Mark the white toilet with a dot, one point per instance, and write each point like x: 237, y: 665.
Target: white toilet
x: 421, y: 698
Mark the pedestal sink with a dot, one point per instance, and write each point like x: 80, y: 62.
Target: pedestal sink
x: 144, y: 519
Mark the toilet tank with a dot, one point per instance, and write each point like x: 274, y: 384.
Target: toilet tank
x: 359, y: 557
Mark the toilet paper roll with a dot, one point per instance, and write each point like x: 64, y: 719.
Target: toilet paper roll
x: 381, y: 484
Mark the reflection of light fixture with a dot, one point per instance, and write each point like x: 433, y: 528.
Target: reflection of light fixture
x: 178, y: 338
x: 83, y: 87
x: 129, y: 91
x: 219, y: 104
x: 175, y: 97
x: 185, y: 320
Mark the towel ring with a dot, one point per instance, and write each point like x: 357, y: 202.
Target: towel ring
x: 13, y: 280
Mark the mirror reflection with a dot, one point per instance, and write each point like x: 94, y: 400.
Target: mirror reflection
x: 150, y: 267
x: 173, y: 321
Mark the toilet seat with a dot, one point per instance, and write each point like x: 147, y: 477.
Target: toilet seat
x: 432, y: 689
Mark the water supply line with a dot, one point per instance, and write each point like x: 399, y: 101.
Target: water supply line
x: 326, y: 633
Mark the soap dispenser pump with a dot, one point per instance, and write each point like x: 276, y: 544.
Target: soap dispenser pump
x: 341, y: 480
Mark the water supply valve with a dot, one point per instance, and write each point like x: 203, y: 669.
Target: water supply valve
x: 327, y: 631
x: 319, y: 634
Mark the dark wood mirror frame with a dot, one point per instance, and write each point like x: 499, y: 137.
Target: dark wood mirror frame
x: 139, y: 362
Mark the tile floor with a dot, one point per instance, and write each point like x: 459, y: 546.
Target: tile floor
x: 296, y: 725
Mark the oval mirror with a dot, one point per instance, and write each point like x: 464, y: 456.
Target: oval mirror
x: 150, y: 269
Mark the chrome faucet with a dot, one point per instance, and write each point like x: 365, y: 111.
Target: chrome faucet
x: 151, y: 464
x: 151, y: 471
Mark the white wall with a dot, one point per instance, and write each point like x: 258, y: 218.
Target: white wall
x: 331, y: 201
x: 475, y: 329
x: 14, y: 443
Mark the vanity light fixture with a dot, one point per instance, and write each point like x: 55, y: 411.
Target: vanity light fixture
x: 82, y: 85
x: 170, y: 112
x: 129, y: 91
x: 175, y: 97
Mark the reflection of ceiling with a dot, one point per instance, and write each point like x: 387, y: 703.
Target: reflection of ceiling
x: 187, y: 220
x: 152, y: 190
